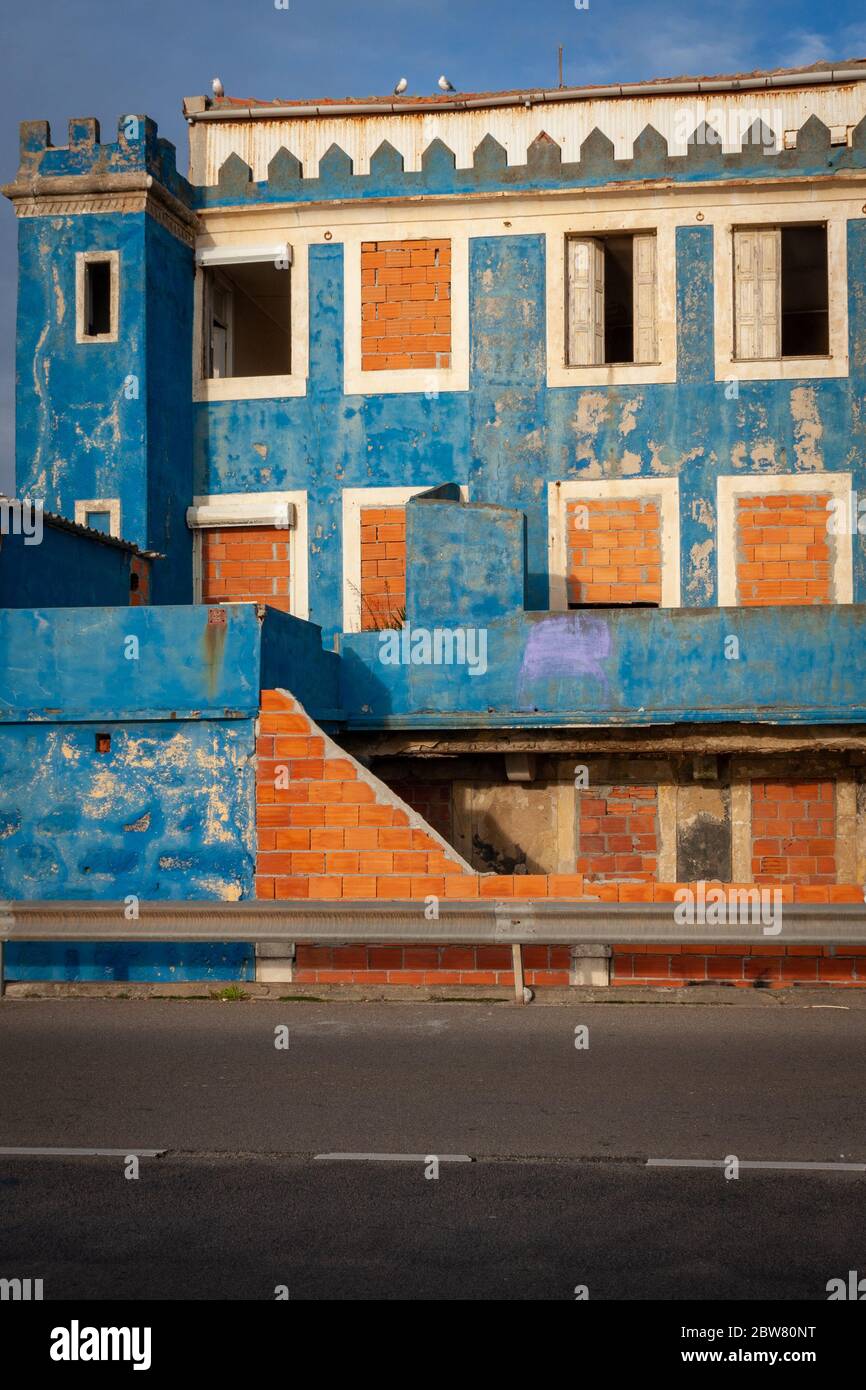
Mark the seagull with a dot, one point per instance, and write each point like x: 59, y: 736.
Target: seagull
x: 217, y: 88
x: 444, y: 84
x: 401, y: 87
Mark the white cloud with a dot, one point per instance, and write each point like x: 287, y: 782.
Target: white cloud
x: 804, y: 48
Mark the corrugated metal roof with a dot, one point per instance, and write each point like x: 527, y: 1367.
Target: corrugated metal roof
x: 571, y: 93
x: 63, y: 523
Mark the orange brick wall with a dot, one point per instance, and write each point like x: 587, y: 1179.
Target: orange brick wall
x: 383, y: 567
x: 793, y: 832
x: 140, y: 596
x: 336, y: 832
x: 247, y: 564
x: 783, y: 550
x: 405, y: 304
x: 616, y: 557
x: 428, y: 965
x: 771, y: 965
x: 618, y: 834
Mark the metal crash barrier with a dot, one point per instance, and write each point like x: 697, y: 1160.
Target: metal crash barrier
x: 511, y: 922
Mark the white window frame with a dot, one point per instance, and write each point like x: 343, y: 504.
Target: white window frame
x: 82, y: 260
x: 211, y: 255
x: 560, y: 494
x: 593, y: 299
x: 430, y: 380
x: 99, y: 504
x: 355, y: 499
x: 729, y: 487
x: 664, y: 369
x: 221, y: 511
x: 742, y: 218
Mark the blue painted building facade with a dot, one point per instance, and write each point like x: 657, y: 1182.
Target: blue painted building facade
x: 504, y: 438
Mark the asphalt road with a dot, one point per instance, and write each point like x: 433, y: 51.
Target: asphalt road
x: 559, y: 1193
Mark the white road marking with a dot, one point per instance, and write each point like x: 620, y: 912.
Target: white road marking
x: 81, y: 1153
x: 755, y: 1163
x: 394, y: 1158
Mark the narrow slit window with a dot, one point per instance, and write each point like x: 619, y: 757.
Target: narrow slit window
x: 97, y: 299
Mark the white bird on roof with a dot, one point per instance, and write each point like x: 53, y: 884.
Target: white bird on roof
x: 401, y: 87
x: 217, y: 88
x: 444, y: 84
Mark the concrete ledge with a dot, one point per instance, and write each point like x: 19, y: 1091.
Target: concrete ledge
x: 795, y: 996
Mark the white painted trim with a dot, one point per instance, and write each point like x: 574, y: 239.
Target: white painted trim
x: 354, y: 499
x: 410, y: 379
x: 729, y: 487
x: 225, y: 509
x: 236, y: 248
x: 82, y: 259
x: 245, y: 509
x: 99, y: 504
x: 596, y: 223
x: 243, y: 255
x: 729, y: 219
x: 573, y: 490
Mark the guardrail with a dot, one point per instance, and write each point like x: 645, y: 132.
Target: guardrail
x: 507, y: 922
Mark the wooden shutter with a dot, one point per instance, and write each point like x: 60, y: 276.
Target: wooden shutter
x: 758, y: 293
x: 645, y: 299
x: 219, y: 307
x: 585, y: 263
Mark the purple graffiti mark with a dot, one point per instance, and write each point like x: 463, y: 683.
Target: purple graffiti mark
x: 565, y: 648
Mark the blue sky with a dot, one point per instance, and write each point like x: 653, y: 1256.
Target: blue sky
x: 65, y: 58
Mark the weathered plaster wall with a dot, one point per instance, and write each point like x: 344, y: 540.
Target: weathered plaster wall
x: 623, y: 666
x: 79, y: 432
x: 108, y: 419
x: 128, y: 775
x: 506, y: 437
x: 164, y: 814
x: 510, y: 434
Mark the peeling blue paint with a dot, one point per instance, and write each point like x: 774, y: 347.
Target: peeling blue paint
x: 510, y: 434
x: 622, y: 666
x: 167, y: 810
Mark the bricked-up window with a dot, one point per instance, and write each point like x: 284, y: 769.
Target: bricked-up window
x: 432, y: 801
x: 613, y: 550
x: 612, y: 299
x: 793, y: 832
x: 245, y: 564
x: 247, y: 320
x: 781, y: 292
x: 784, y: 550
x: 617, y: 834
x: 405, y: 304
x: 383, y: 567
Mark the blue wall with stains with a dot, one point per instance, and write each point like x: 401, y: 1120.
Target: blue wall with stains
x: 167, y: 810
x: 505, y: 438
x: 108, y: 419
x: 79, y: 434
x: 509, y: 435
x: 613, y: 666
